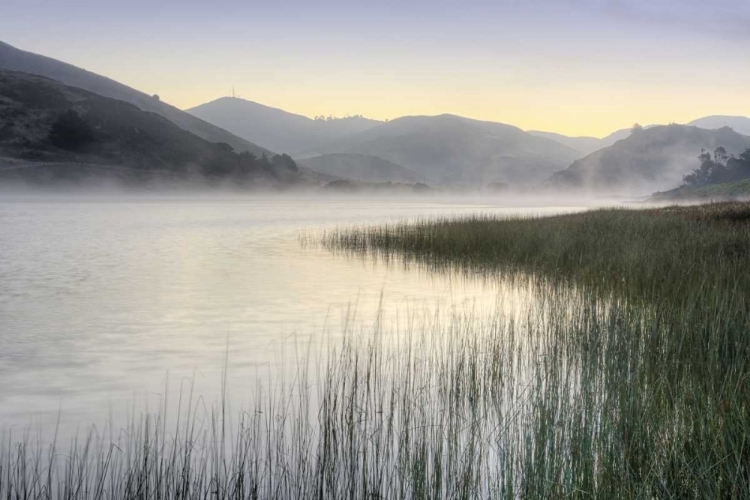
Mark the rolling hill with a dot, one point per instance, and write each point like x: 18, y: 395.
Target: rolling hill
x: 740, y: 124
x: 587, y: 145
x: 584, y: 145
x: 649, y: 160
x: 361, y: 168
x: 62, y: 133
x: 14, y: 59
x: 276, y: 128
x: 452, y: 151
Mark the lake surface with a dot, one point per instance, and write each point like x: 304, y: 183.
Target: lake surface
x: 107, y: 303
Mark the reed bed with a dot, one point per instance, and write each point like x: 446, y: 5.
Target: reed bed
x: 669, y: 253
x: 628, y: 378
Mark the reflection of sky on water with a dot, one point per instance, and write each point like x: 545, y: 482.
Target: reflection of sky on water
x: 102, y: 301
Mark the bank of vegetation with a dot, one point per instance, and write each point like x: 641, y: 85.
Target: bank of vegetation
x: 720, y: 176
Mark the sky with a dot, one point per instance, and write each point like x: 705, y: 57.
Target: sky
x: 576, y: 67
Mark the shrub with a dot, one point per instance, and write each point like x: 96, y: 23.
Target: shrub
x: 71, y: 132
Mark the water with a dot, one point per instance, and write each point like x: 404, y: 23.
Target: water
x: 104, y: 303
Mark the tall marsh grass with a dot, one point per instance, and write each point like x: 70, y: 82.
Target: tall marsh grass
x: 628, y: 378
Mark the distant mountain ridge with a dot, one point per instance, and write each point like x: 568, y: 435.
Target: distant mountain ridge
x: 446, y: 150
x: 587, y: 145
x: 453, y: 151
x: 740, y: 124
x: 276, y: 128
x: 361, y: 168
x: 14, y: 59
x: 648, y: 160
x: 582, y: 144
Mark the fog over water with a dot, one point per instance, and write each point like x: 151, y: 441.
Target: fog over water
x: 103, y: 299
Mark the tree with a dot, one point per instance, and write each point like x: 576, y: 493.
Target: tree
x: 156, y: 96
x: 714, y: 169
x: 248, y: 158
x: 637, y: 128
x: 720, y: 155
x: 70, y: 131
x: 738, y: 167
x: 223, y: 146
x: 264, y: 163
x: 284, y: 162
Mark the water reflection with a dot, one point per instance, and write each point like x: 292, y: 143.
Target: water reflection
x: 104, y: 301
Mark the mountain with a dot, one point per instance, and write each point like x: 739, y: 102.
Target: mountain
x: 618, y: 135
x: 648, y: 160
x: 54, y: 133
x: 740, y: 124
x: 14, y: 59
x: 361, y: 168
x: 587, y: 145
x: 449, y: 150
x: 276, y: 128
x: 584, y: 145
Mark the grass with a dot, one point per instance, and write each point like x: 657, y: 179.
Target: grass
x: 669, y: 253
x: 724, y: 191
x: 667, y: 365
x: 629, y: 377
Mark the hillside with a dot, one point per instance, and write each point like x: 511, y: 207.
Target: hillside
x: 276, y: 128
x: 584, y: 145
x: 14, y: 59
x: 587, y: 145
x: 716, y: 192
x: 740, y: 124
x: 651, y: 159
x: 63, y: 131
x: 360, y: 168
x: 452, y: 151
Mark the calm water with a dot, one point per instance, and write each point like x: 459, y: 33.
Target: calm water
x: 104, y: 302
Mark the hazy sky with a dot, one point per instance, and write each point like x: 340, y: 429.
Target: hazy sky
x: 574, y: 67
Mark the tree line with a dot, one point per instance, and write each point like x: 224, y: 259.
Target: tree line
x: 719, y: 167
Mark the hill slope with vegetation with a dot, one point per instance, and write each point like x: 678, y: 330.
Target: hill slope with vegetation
x: 720, y: 176
x: 647, y: 160
x: 14, y: 59
x: 62, y: 131
x: 738, y: 190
